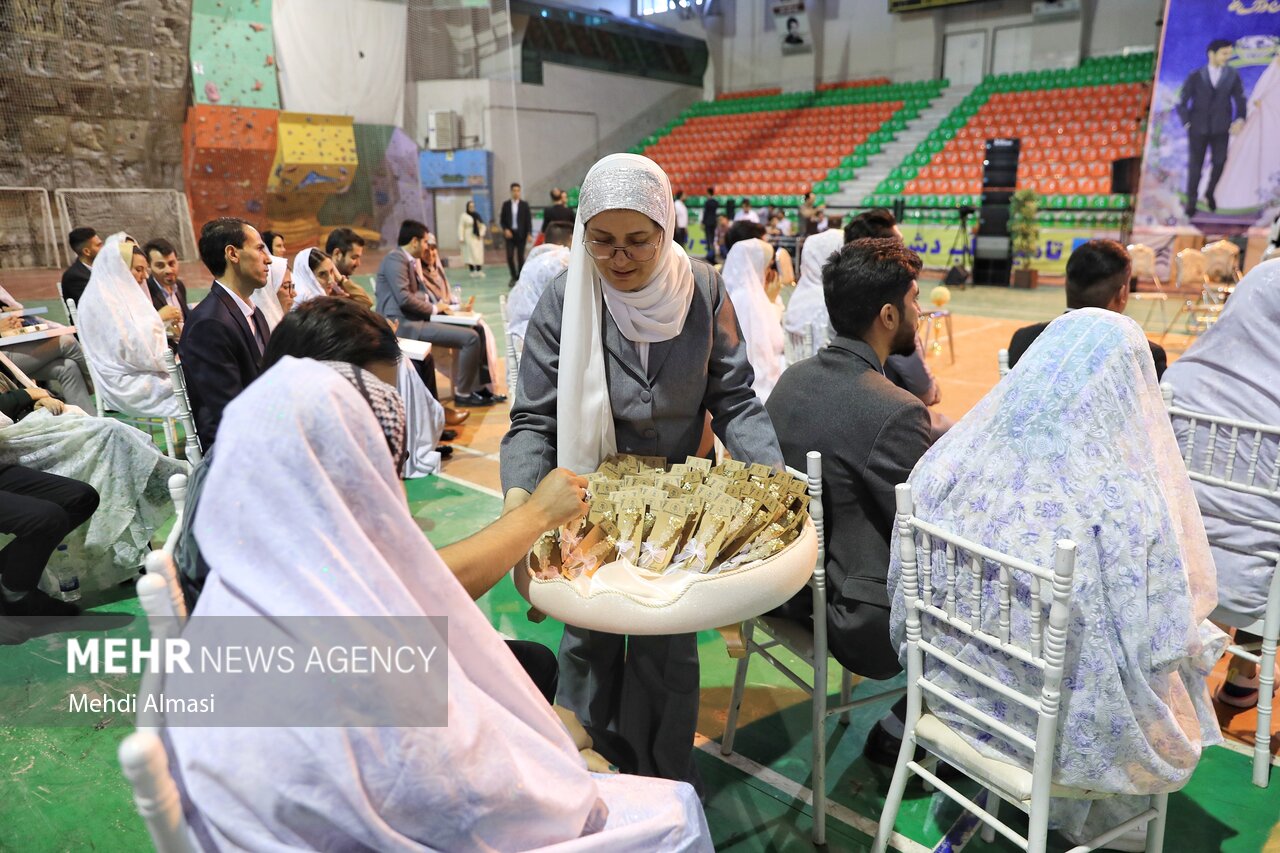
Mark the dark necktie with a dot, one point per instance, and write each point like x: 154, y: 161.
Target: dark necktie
x: 255, y: 323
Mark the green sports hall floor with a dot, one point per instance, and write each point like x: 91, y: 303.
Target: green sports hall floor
x: 61, y: 788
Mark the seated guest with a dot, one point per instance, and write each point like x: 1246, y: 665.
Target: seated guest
x: 314, y: 275
x: 276, y: 299
x: 544, y: 263
x: 402, y: 295
x: 871, y: 293
x: 1231, y: 370
x: 751, y: 279
x: 58, y: 359
x: 346, y: 248
x: 439, y: 290
x: 503, y: 774
x: 335, y: 329
x: 111, y: 458
x: 168, y: 292
x: 1075, y: 444
x: 38, y: 510
x: 122, y: 335
x: 746, y: 213
x: 807, y: 309
x: 85, y: 245
x: 723, y: 225
x: 225, y: 338
x: 559, y: 211
x: 275, y: 243
x: 909, y: 372
x: 1097, y: 277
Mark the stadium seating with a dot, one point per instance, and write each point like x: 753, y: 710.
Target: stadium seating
x: 1072, y: 124
x: 773, y: 148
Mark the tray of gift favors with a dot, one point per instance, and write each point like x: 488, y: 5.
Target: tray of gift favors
x: 670, y: 549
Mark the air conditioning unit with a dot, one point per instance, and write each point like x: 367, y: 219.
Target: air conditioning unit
x: 1054, y: 10
x: 444, y: 130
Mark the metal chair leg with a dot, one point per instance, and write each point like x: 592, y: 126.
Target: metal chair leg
x: 846, y: 689
x: 735, y: 698
x: 1155, y: 826
x: 820, y: 750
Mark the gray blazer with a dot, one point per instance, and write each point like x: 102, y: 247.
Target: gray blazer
x: 398, y: 292
x: 870, y: 433
x: 703, y: 369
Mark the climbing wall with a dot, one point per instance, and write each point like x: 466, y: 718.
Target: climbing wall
x: 354, y: 208
x: 397, y: 188
x: 92, y: 94
x: 229, y: 154
x: 232, y: 54
x: 315, y: 158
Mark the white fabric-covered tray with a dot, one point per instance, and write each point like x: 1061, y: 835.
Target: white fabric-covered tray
x: 619, y: 600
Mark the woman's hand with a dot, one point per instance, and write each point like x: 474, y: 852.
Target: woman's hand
x: 53, y: 404
x: 581, y: 740
x: 561, y: 497
x: 169, y: 314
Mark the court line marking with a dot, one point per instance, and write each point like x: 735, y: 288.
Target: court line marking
x: 494, y: 493
x: 795, y: 790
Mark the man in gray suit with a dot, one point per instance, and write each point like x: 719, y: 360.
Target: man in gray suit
x: 1212, y: 107
x: 883, y: 430
x: 401, y: 294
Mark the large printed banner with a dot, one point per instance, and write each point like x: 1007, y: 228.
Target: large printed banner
x: 1212, y: 156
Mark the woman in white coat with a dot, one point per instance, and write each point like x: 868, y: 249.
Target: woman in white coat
x: 471, y: 231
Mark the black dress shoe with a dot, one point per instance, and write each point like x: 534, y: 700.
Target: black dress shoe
x: 471, y: 400
x: 1211, y: 203
x: 39, y: 603
x: 448, y: 435
x: 492, y: 397
x: 882, y: 748
x: 444, y: 450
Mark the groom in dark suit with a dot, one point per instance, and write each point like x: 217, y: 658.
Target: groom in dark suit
x: 226, y: 334
x: 1211, y: 108
x: 517, y: 225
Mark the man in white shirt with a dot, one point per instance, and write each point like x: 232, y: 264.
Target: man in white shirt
x: 682, y: 221
x: 746, y: 213
x: 225, y: 335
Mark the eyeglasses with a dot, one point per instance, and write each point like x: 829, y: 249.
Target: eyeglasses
x: 639, y: 252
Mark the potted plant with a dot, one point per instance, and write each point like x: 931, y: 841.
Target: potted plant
x: 1024, y: 235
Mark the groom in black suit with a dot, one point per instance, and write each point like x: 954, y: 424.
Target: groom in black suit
x: 517, y: 224
x: 1212, y: 107
x: 226, y: 334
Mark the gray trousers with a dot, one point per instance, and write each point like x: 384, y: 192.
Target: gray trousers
x: 465, y: 341
x: 56, y: 360
x: 645, y: 689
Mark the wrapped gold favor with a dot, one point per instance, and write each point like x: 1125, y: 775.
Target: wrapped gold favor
x: 660, y: 545
x: 630, y: 520
x: 544, y: 559
x: 593, y: 551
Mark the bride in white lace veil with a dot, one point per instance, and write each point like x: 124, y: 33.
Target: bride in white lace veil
x: 1075, y: 444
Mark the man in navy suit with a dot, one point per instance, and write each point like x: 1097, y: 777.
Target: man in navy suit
x: 1212, y: 107
x: 225, y: 335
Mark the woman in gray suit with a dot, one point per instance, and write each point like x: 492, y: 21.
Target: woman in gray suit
x: 628, y: 351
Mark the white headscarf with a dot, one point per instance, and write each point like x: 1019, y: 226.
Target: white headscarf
x: 502, y: 775
x: 305, y: 285
x: 268, y: 298
x: 744, y: 273
x: 1233, y: 369
x: 656, y: 312
x: 808, y: 305
x: 1075, y: 444
x: 123, y: 337
x: 535, y: 277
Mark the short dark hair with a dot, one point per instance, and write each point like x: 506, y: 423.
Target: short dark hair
x: 342, y: 239
x: 743, y: 229
x: 514, y: 184
x: 679, y: 194
x: 269, y: 237
x: 711, y: 190
x: 560, y: 233
x: 746, y: 202
x: 316, y: 258
x: 410, y: 230
x: 876, y: 222
x: 863, y: 277
x: 330, y: 328
x: 79, y: 237
x: 161, y: 245
x: 215, y: 236
x: 1095, y: 273
x: 791, y: 21
x: 556, y: 192
x: 1219, y: 44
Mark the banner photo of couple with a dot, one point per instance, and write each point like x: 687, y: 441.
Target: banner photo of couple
x: 1212, y: 158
